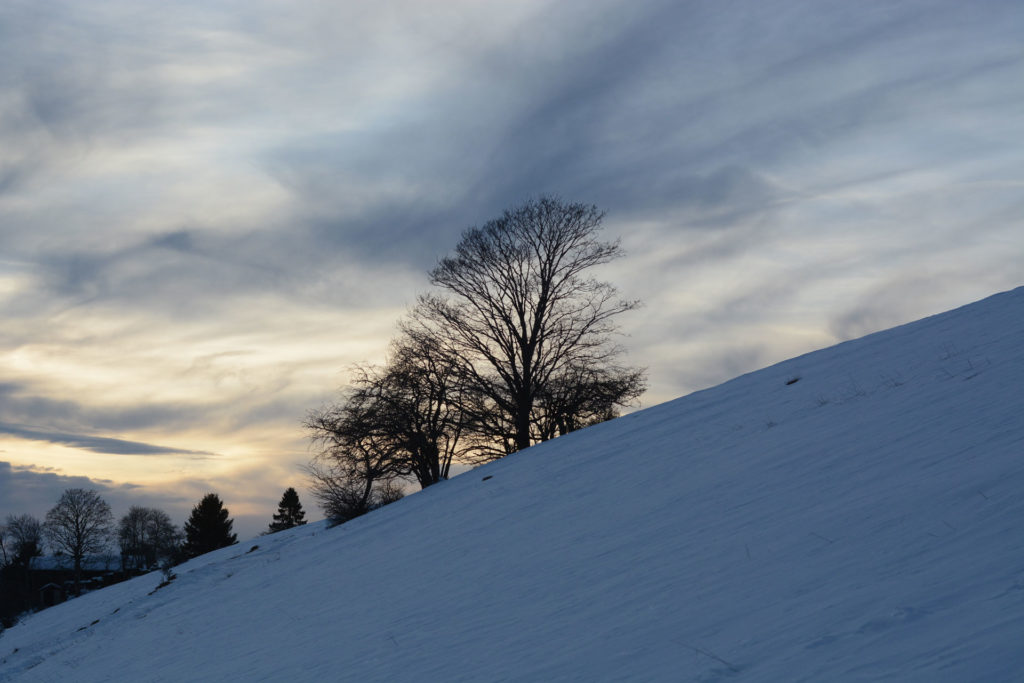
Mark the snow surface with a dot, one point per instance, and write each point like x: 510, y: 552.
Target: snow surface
x: 865, y: 522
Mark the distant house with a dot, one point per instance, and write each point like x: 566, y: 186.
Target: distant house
x: 52, y: 594
x: 57, y: 574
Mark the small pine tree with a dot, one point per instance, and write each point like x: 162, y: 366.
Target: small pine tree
x: 289, y: 512
x: 208, y: 528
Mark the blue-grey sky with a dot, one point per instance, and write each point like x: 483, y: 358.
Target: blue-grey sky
x: 210, y: 210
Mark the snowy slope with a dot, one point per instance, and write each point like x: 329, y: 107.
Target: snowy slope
x: 865, y: 522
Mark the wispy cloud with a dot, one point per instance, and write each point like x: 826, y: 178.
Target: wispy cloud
x: 98, y: 444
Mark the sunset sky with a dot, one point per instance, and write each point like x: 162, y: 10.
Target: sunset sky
x: 210, y: 210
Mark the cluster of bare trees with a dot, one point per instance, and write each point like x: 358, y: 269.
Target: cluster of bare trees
x: 147, y: 537
x: 81, y: 525
x: 81, y: 528
x: 515, y: 347
x: 77, y: 526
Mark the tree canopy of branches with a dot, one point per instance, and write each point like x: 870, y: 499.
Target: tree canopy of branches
x: 208, y: 527
x: 146, y: 536
x: 79, y: 524
x: 397, y: 421
x: 22, y: 539
x: 529, y: 327
x: 289, y: 512
x: 354, y: 470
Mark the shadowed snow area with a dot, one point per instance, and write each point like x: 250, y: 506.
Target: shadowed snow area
x: 856, y: 513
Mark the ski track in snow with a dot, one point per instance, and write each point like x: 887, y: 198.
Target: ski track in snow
x: 863, y: 522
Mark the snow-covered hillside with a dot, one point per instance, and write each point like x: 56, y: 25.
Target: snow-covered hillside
x: 853, y: 514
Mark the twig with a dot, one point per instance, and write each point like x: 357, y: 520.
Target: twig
x: 712, y: 655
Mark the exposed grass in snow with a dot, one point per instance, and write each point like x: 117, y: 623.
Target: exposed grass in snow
x: 852, y: 514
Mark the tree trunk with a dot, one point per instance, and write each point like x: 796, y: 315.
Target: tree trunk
x: 78, y: 574
x: 523, y: 424
x: 364, y: 504
x: 434, y: 462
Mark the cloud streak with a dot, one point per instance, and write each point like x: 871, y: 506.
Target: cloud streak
x: 98, y: 444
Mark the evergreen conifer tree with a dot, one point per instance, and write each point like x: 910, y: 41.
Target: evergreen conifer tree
x: 208, y: 528
x: 289, y: 512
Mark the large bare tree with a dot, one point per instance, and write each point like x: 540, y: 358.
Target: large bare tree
x: 79, y: 524
x: 521, y: 312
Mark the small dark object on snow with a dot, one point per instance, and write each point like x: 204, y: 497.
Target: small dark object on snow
x: 792, y: 381
x: 487, y: 477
